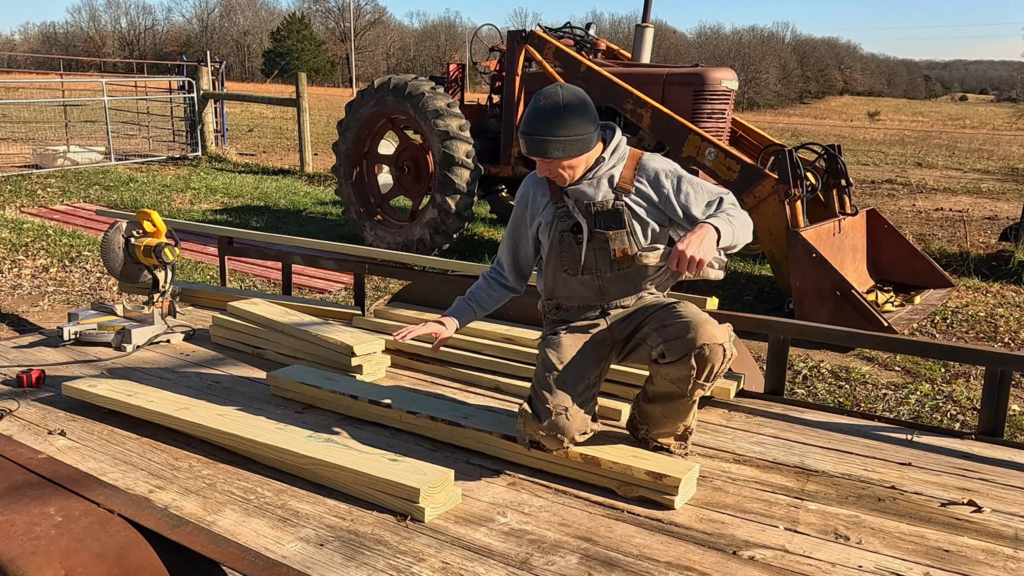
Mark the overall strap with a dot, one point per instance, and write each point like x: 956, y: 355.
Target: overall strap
x: 627, y: 179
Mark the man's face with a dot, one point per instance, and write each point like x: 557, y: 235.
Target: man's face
x: 564, y: 171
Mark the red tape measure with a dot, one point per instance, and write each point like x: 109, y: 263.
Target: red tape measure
x: 32, y: 378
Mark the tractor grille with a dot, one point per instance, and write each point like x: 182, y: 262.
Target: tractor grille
x: 712, y: 112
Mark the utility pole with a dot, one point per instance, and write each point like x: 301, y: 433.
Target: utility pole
x: 352, y: 44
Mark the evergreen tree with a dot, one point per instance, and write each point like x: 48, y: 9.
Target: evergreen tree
x: 295, y: 47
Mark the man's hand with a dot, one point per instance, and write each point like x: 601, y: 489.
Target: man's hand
x: 693, y: 252
x: 441, y: 329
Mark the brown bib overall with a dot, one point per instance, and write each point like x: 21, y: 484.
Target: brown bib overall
x: 601, y: 308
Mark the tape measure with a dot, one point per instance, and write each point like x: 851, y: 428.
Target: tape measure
x: 31, y: 378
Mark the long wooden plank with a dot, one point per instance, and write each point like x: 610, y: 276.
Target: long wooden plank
x: 250, y: 98
x: 420, y: 489
x: 482, y: 442
x: 601, y: 454
x: 218, y: 297
x: 274, y: 356
x: 607, y: 408
x: 343, y: 339
x: 323, y: 245
x: 301, y: 348
x: 706, y: 302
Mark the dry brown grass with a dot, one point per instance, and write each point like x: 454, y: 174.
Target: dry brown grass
x: 976, y: 136
x: 269, y: 134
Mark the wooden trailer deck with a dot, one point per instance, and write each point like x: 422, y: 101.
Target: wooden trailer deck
x: 782, y: 490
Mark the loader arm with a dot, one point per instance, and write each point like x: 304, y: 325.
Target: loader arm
x: 835, y: 261
x: 760, y: 192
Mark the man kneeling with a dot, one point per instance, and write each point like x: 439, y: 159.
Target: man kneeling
x: 597, y: 219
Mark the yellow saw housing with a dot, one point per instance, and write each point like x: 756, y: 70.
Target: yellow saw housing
x: 153, y: 250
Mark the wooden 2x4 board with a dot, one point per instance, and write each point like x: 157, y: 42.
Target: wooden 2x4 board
x: 419, y: 489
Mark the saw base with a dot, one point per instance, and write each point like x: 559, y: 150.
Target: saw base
x: 123, y: 330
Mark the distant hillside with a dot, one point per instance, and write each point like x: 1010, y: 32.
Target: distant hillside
x: 975, y: 76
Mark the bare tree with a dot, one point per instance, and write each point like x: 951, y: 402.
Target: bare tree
x: 198, y: 22
x: 49, y: 37
x: 88, y: 18
x: 246, y: 27
x: 431, y: 41
x: 522, y: 18
x: 136, y: 28
x: 332, y: 17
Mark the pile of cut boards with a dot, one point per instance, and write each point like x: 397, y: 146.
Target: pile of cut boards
x: 274, y: 332
x: 502, y: 356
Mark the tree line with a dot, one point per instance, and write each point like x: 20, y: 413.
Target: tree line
x: 777, y: 64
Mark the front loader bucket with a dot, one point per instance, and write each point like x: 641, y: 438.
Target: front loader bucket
x: 836, y: 265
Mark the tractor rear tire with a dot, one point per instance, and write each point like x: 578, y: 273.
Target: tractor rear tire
x: 404, y: 137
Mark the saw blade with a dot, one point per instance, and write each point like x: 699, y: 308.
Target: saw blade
x: 115, y: 257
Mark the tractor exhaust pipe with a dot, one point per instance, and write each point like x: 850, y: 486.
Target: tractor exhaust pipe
x: 643, y: 36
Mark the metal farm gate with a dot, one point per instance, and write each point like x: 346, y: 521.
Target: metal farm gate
x: 55, y: 123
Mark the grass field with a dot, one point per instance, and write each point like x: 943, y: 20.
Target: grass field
x: 948, y: 174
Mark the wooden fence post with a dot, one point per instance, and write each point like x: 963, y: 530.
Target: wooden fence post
x: 302, y: 109
x: 207, y: 125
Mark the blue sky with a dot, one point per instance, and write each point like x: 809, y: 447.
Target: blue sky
x: 912, y: 29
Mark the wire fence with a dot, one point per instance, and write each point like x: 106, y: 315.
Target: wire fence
x: 49, y: 124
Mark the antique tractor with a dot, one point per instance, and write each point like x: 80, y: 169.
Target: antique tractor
x: 414, y: 155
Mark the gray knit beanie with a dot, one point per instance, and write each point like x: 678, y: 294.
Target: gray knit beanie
x: 560, y: 122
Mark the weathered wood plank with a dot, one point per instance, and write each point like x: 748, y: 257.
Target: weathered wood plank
x: 323, y: 245
x: 218, y: 297
x: 946, y: 487
x: 954, y: 552
x: 293, y: 524
x: 967, y: 458
x: 343, y: 339
x: 484, y: 530
x: 419, y: 489
x: 765, y: 543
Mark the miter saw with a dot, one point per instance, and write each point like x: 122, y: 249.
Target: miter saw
x: 139, y: 252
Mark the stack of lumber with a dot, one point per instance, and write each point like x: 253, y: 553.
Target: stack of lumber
x: 218, y: 297
x: 608, y: 460
x: 487, y: 352
x: 404, y: 485
x: 280, y: 334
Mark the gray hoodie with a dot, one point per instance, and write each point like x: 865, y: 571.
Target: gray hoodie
x: 667, y: 202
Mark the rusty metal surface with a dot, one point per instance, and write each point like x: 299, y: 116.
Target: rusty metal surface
x: 137, y: 509
x: 833, y: 263
x: 46, y: 530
